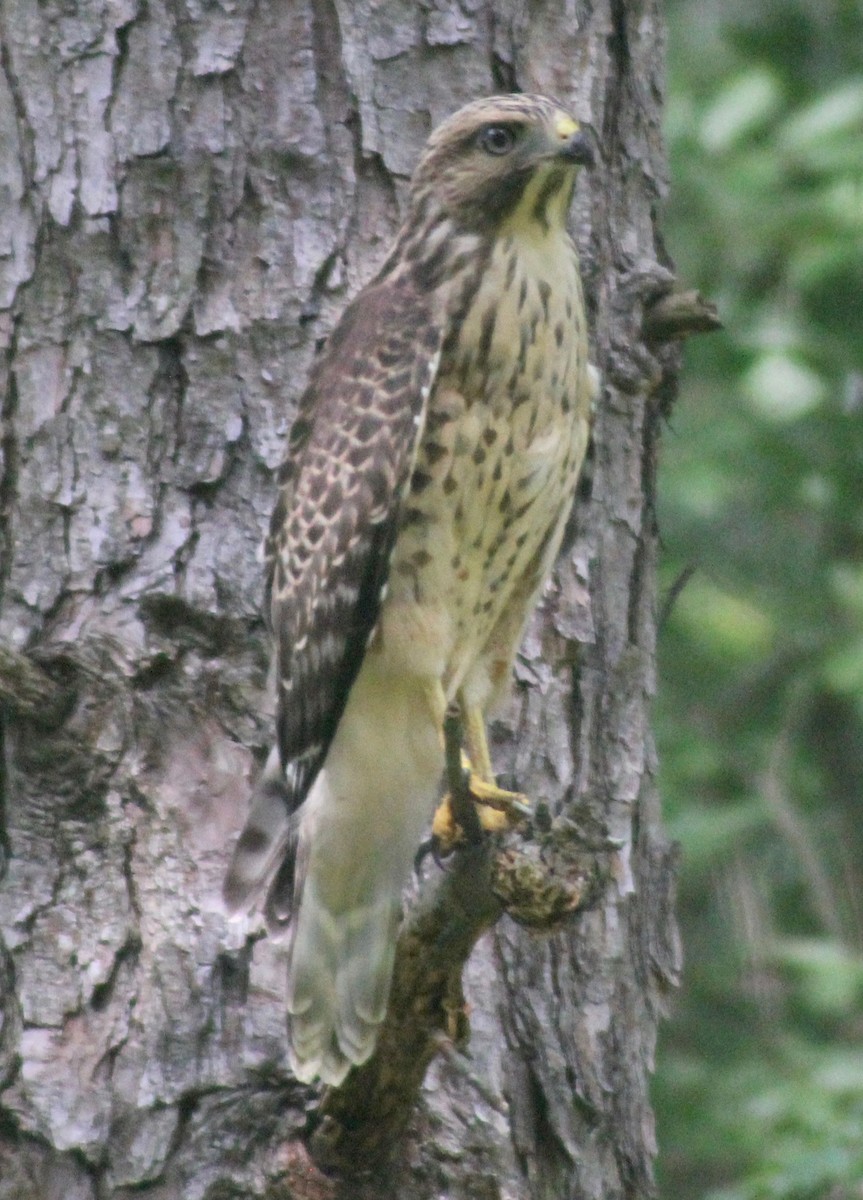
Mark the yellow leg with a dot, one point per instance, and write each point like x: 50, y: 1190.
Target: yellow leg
x: 477, y: 744
x: 497, y: 807
x: 437, y: 702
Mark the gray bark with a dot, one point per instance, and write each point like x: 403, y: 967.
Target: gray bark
x: 190, y: 191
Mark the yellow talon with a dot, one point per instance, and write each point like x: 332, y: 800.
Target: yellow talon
x: 496, y: 808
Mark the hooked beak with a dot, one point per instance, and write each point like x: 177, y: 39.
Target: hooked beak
x: 578, y: 149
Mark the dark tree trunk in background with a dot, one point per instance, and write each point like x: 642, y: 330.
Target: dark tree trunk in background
x: 190, y: 192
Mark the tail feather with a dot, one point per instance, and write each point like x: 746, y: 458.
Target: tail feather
x: 266, y: 838
x: 339, y: 863
x: 339, y: 980
x: 279, y: 905
x: 364, y: 976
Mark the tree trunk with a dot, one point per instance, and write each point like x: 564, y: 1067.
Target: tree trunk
x: 190, y: 194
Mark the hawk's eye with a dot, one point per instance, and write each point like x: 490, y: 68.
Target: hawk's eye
x: 497, y: 139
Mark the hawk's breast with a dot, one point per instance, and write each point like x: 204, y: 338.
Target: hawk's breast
x: 498, y: 463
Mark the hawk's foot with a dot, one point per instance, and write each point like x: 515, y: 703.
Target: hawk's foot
x: 491, y: 807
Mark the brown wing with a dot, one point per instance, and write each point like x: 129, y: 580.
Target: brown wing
x: 350, y: 455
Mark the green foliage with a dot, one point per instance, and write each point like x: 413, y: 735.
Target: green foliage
x: 760, y: 1084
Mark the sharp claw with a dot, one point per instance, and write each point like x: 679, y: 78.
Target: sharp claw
x: 437, y: 853
x: 435, y: 847
x: 519, y: 806
x: 424, y: 850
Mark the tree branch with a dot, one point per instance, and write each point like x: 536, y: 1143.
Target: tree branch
x: 679, y: 314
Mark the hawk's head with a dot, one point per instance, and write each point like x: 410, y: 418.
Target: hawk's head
x: 506, y: 158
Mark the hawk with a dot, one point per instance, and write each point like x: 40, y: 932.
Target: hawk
x: 428, y: 479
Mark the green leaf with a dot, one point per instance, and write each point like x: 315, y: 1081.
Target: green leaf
x: 782, y: 389
x: 838, y: 112
x: 744, y: 105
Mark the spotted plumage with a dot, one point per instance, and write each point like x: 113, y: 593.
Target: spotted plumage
x: 428, y: 478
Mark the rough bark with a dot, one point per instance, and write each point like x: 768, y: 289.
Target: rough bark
x: 189, y: 193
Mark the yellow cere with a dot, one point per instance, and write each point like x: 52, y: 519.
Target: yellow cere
x: 565, y: 127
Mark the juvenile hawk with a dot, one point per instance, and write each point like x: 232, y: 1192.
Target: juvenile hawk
x: 428, y: 478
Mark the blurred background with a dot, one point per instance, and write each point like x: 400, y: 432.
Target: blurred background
x: 759, y: 1090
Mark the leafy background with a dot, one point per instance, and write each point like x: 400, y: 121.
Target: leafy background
x: 759, y: 1090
